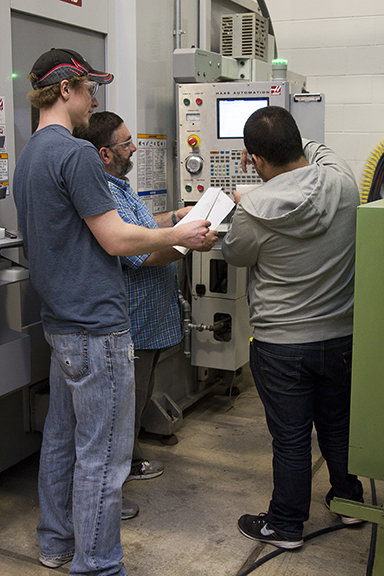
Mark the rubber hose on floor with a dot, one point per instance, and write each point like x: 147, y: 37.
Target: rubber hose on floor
x: 275, y: 553
x: 372, y: 548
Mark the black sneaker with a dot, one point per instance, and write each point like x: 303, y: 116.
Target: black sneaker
x: 257, y: 528
x: 146, y: 470
x: 129, y: 509
x: 347, y: 520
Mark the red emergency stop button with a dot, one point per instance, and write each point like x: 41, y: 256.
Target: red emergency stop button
x: 193, y: 140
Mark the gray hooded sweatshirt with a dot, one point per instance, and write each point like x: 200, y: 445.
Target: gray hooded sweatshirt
x: 296, y: 232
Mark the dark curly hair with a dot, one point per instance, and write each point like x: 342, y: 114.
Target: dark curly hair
x: 101, y: 127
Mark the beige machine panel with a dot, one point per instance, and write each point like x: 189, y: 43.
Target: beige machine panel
x: 211, y: 118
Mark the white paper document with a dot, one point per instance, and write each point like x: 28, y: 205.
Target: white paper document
x: 214, y: 205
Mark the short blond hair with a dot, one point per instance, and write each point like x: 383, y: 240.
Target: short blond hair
x: 45, y: 97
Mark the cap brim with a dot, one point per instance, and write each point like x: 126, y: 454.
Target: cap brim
x: 100, y: 77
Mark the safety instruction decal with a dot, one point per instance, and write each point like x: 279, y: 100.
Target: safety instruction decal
x: 4, y: 170
x: 3, y: 145
x: 152, y: 171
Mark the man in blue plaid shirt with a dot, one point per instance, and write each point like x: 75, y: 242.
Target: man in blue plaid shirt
x: 150, y: 279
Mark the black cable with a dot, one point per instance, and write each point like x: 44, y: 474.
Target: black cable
x: 281, y: 550
x: 372, y: 547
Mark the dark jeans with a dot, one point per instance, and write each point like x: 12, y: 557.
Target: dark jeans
x: 302, y: 384
x: 145, y: 363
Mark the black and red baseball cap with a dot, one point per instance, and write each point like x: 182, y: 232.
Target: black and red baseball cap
x: 61, y: 64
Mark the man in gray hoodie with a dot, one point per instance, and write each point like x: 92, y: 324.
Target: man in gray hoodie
x: 296, y: 232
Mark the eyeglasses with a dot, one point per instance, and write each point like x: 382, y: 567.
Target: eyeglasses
x: 126, y: 145
x: 92, y: 88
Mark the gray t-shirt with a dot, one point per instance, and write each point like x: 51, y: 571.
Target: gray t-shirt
x: 59, y: 180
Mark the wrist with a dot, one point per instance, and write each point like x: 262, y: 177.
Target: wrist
x: 177, y: 236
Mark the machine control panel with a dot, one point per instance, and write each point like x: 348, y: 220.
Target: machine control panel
x: 211, y: 119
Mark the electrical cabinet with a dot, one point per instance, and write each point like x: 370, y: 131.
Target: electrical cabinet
x: 367, y: 398
x: 367, y: 403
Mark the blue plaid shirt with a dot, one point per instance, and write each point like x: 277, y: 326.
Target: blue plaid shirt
x: 152, y: 291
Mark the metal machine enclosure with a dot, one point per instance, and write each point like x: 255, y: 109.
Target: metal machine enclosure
x: 210, y: 124
x: 29, y: 28
x: 134, y: 40
x: 219, y: 291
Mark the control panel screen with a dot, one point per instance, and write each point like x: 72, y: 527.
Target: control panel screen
x: 232, y: 114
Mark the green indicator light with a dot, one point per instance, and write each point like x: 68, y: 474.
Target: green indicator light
x: 279, y: 61
x: 188, y: 188
x: 14, y: 75
x: 186, y: 101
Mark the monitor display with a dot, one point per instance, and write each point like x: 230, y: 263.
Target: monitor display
x: 232, y: 114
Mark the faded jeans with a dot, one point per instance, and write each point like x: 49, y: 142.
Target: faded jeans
x: 86, y: 450
x: 301, y: 385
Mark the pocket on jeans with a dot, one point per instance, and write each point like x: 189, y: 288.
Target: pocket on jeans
x: 71, y: 351
x: 279, y: 372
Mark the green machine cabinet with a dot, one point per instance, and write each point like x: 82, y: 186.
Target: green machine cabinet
x: 366, y: 456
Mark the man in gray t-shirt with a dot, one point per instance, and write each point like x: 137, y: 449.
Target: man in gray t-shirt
x: 73, y: 235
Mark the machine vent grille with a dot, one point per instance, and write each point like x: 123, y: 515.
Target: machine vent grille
x: 227, y: 36
x: 247, y: 25
x: 244, y: 36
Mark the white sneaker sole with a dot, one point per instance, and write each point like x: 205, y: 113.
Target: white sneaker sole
x: 54, y: 562
x: 289, y: 545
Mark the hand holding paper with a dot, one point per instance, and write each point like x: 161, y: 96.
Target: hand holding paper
x: 214, y: 206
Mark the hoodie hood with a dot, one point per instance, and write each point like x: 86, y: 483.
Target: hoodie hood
x: 301, y: 203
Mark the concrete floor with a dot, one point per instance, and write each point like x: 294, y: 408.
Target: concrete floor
x: 219, y: 469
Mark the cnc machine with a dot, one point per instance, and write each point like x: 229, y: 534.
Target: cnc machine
x: 191, y: 73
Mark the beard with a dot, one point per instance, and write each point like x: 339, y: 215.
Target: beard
x: 122, y: 165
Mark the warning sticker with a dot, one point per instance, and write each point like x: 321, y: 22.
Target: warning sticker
x: 3, y: 174
x: 2, y: 110
x: 74, y: 2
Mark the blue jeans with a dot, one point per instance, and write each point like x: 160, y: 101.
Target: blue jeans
x: 86, y: 450
x: 301, y: 385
